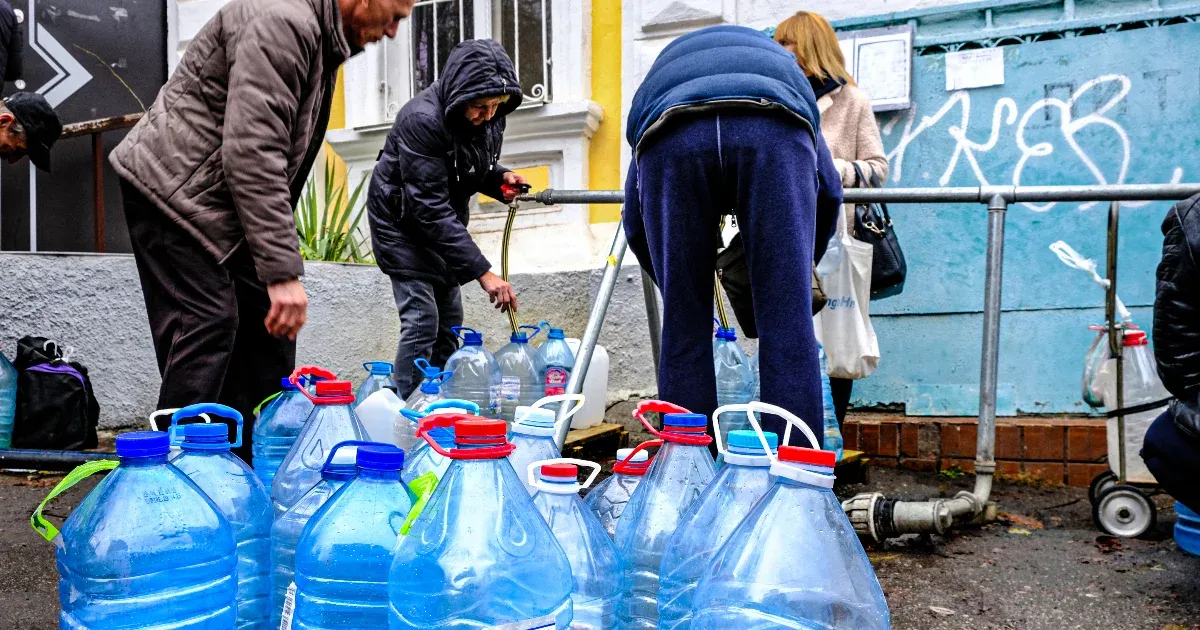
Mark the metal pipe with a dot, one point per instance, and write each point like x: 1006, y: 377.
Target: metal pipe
x: 23, y: 459
x: 653, y: 318
x: 98, y: 191
x: 1116, y: 330
x: 985, y: 446
x: 591, y: 334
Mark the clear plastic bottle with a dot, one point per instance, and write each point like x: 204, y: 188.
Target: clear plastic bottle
x: 476, y: 375
x: 379, y: 376
x: 430, y: 390
x: 332, y: 421
x: 533, y: 432
x: 285, y: 533
x: 123, y: 560
x: 794, y: 562
x: 343, y: 557
x: 741, y: 482
x: 595, y: 564
x: 681, y: 470
x: 754, y: 372
x: 735, y: 381
x: 278, y: 424
x: 241, y: 498
x: 609, y: 498
x: 557, y: 361
x: 422, y: 458
x: 520, y: 373
x: 8, y: 400
x: 480, y: 555
x: 1142, y: 387
x: 833, y: 433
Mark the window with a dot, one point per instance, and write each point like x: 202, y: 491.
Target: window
x: 522, y: 26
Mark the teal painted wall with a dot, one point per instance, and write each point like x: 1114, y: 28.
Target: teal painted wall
x: 1117, y: 107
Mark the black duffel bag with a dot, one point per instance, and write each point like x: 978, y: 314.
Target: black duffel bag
x: 56, y: 409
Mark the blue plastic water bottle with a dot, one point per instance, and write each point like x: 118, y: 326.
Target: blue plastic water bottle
x: 8, y: 400
x: 741, y: 482
x: 681, y: 470
x: 379, y: 376
x: 279, y: 422
x: 480, y: 554
x: 520, y: 373
x: 332, y: 421
x: 557, y: 361
x: 595, y: 564
x: 735, y: 381
x: 794, y: 562
x: 145, y: 548
x: 422, y: 458
x: 833, y: 433
x: 1187, y: 529
x: 344, y: 554
x: 285, y: 533
x: 241, y: 498
x: 609, y: 498
x: 476, y: 375
x: 533, y: 433
x: 430, y: 389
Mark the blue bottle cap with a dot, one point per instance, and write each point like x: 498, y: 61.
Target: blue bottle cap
x: 430, y: 386
x: 205, y: 437
x: 556, y: 333
x: 380, y: 457
x: 286, y: 384
x: 382, y: 368
x: 728, y: 334
x: 684, y: 420
x: 518, y: 337
x: 469, y: 336
x: 144, y: 444
x: 746, y: 442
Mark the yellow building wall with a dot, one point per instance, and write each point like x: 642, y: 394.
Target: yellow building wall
x: 604, y: 153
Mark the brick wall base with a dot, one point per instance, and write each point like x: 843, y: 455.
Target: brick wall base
x: 1055, y: 450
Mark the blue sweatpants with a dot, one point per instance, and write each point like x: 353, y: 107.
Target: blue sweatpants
x: 765, y: 169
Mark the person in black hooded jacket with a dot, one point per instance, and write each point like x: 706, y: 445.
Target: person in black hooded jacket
x: 1172, y: 446
x: 443, y: 148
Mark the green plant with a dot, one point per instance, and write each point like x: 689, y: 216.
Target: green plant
x: 953, y: 472
x: 329, y: 225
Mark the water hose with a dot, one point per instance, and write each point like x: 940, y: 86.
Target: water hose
x: 508, y: 226
x: 722, y: 317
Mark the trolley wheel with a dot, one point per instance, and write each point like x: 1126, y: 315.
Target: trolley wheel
x: 1124, y: 511
x: 1100, y: 483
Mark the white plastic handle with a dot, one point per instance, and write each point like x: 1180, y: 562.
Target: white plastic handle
x: 168, y: 413
x: 575, y: 398
x: 721, y: 448
x: 533, y: 466
x: 791, y: 418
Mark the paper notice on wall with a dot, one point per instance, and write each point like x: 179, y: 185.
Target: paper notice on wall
x: 883, y: 65
x: 966, y: 69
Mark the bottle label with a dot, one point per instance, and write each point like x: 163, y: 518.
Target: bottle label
x: 289, y: 605
x: 510, y: 387
x: 541, y: 623
x: 556, y: 380
x: 496, y: 397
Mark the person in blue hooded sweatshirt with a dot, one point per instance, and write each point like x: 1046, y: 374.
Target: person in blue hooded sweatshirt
x: 725, y: 123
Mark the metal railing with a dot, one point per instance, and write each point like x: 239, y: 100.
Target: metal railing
x: 96, y: 129
x: 915, y: 517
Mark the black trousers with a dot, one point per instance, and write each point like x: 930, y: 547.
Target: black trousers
x: 428, y: 312
x: 206, y: 318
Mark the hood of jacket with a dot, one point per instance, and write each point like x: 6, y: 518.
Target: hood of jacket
x: 478, y: 68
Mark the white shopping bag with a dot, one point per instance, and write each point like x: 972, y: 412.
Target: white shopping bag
x: 844, y: 326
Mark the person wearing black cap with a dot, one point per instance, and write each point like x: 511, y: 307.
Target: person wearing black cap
x: 28, y: 126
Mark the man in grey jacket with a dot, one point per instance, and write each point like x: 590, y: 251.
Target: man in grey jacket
x: 210, y: 177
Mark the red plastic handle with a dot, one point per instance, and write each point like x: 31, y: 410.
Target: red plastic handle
x: 445, y: 420
x: 310, y: 370
x: 627, y: 467
x: 662, y: 406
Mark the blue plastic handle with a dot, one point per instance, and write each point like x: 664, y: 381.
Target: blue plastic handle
x: 212, y: 409
x: 452, y: 403
x: 370, y: 366
x: 411, y: 414
x: 536, y: 330
x: 457, y: 330
x: 427, y: 370
x: 329, y: 460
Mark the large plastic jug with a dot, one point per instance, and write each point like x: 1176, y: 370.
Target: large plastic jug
x: 681, y: 470
x: 332, y: 420
x: 8, y: 400
x: 609, y: 498
x: 520, y: 373
x: 280, y: 420
x: 241, y: 498
x: 754, y: 372
x: 735, y: 381
x: 832, y: 440
x: 344, y: 554
x: 422, y: 458
x: 557, y: 361
x: 430, y: 390
x: 595, y: 564
x: 794, y: 562
x: 146, y: 548
x: 533, y: 432
x: 1142, y: 388
x: 475, y: 373
x: 338, y: 469
x: 595, y: 387
x: 379, y: 376
x: 480, y: 555
x: 741, y: 482
x: 160, y: 420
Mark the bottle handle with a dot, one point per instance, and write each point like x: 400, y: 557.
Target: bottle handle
x: 626, y: 466
x: 327, y: 466
x: 212, y: 409
x: 536, y: 330
x: 566, y: 416
x: 447, y: 420
x: 412, y: 414
x: 757, y: 407
x: 453, y: 403
x: 664, y: 407
x: 45, y: 528
x: 265, y: 402
x: 310, y: 370
x: 458, y: 330
x: 533, y: 466
x: 153, y: 418
x: 721, y: 446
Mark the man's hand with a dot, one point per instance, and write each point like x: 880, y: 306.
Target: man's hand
x: 512, y: 179
x: 289, y: 309
x: 499, y: 292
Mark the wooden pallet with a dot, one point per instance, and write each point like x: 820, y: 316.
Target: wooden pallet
x: 853, y: 468
x: 596, y: 443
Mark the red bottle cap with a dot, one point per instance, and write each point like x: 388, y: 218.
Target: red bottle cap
x: 480, y: 431
x: 565, y: 471
x: 1136, y: 338
x: 334, y: 393
x: 811, y: 456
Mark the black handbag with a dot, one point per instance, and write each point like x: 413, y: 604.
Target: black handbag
x: 873, y: 225
x: 56, y: 408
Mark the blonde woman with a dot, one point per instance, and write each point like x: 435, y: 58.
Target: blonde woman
x: 847, y: 121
